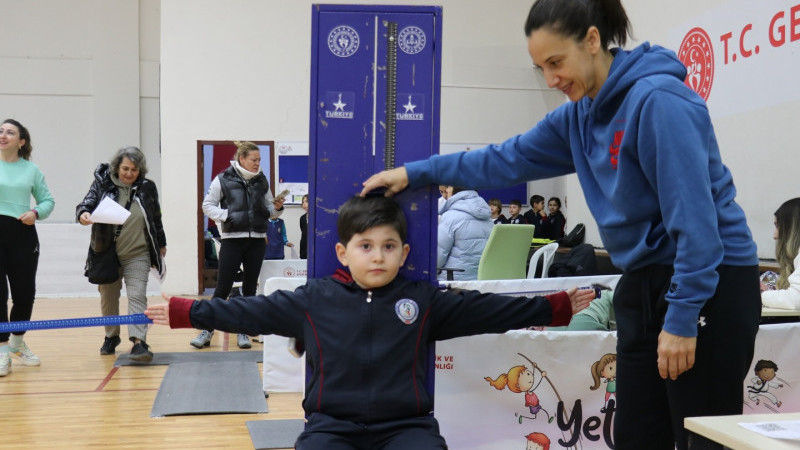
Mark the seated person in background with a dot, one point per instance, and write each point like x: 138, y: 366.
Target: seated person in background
x: 464, y: 228
x: 556, y: 220
x: 373, y: 388
x: 787, y: 242
x: 497, y: 211
x: 537, y: 216
x: 514, y: 207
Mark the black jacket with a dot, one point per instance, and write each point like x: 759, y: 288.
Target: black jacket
x: 368, y: 350
x: 244, y: 200
x: 145, y: 194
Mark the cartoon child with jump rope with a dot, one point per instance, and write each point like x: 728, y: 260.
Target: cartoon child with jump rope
x: 606, y: 369
x: 520, y: 379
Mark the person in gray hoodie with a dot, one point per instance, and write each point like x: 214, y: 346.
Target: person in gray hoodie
x: 464, y: 227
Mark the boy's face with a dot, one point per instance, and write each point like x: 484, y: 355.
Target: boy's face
x: 374, y: 256
x: 766, y: 374
x: 537, y: 207
x: 513, y: 210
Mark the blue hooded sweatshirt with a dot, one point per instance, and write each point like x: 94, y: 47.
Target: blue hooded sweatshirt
x: 648, y: 161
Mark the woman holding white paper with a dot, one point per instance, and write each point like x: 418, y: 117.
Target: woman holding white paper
x: 140, y: 243
x: 19, y: 244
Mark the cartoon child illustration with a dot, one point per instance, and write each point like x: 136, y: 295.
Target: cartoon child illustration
x: 519, y: 379
x: 765, y: 373
x: 537, y: 441
x: 605, y: 368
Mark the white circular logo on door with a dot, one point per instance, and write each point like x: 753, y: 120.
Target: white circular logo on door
x: 343, y: 41
x: 411, y: 40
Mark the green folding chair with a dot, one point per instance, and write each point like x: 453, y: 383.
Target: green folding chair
x: 506, y: 252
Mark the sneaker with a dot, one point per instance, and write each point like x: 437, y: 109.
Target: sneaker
x: 110, y: 345
x: 243, y: 341
x: 141, y: 352
x: 203, y: 339
x: 25, y: 355
x: 5, y: 364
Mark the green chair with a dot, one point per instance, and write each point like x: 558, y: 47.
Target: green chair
x: 506, y: 252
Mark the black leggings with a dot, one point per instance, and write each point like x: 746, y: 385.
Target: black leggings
x: 19, y: 259
x: 246, y: 252
x: 650, y: 410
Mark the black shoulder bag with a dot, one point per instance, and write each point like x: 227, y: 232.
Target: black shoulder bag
x: 103, y: 267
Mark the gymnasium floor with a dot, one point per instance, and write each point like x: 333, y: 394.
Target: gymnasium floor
x: 77, y: 399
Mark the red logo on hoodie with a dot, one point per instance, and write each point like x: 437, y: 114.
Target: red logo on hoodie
x: 697, y: 54
x: 613, y: 149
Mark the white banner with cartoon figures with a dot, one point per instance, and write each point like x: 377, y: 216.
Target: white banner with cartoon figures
x: 773, y: 384
x: 515, y: 390
x: 555, y: 389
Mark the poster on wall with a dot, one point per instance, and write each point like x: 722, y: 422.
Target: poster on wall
x: 727, y: 48
x: 292, y: 162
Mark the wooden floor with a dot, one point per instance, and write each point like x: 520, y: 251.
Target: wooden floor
x: 78, y: 399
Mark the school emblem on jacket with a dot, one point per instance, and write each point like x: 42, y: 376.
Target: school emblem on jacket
x: 407, y: 310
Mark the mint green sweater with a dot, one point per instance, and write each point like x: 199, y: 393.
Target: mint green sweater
x: 18, y: 181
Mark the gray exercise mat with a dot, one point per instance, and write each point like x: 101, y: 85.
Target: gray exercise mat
x: 271, y: 434
x: 196, y: 356
x: 222, y: 387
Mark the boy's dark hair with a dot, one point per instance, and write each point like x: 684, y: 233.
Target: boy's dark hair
x: 765, y: 364
x: 515, y: 202
x: 536, y: 199
x: 359, y: 214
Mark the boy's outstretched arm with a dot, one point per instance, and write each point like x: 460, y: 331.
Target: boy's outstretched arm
x: 579, y: 299
x: 159, y: 314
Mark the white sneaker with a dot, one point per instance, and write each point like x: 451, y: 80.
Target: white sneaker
x: 5, y: 364
x: 25, y: 355
x: 203, y: 339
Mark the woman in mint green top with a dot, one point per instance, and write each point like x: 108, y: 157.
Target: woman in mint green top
x: 20, y: 180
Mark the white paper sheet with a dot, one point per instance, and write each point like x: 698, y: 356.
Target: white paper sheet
x: 783, y: 429
x: 109, y: 211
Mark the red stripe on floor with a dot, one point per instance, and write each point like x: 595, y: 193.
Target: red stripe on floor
x: 107, y: 379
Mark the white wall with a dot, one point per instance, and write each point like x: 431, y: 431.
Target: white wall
x: 71, y: 73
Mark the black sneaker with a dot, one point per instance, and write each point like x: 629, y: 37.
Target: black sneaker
x: 110, y: 345
x: 141, y: 352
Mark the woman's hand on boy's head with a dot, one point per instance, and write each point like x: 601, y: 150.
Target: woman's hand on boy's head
x: 580, y: 299
x: 394, y: 180
x: 159, y: 314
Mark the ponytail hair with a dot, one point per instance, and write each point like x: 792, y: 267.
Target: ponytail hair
x: 26, y: 149
x: 599, y: 366
x: 573, y: 18
x: 243, y: 148
x: 508, y: 380
x: 787, y: 221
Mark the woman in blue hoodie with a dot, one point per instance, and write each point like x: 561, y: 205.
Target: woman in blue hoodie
x: 644, y: 149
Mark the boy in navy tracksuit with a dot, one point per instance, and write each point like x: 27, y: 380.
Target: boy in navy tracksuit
x: 366, y: 332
